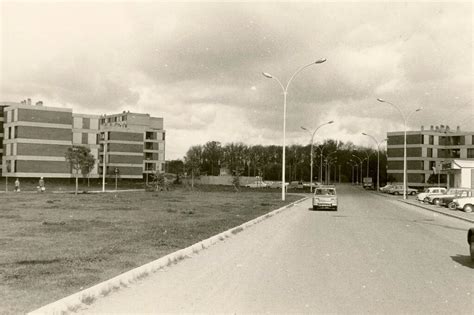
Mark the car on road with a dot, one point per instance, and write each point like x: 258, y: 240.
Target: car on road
x: 277, y: 185
x: 386, y: 188
x: 451, y: 193
x: 325, y: 197
x: 470, y: 241
x: 398, y: 190
x: 464, y: 204
x: 430, y: 191
x: 257, y: 184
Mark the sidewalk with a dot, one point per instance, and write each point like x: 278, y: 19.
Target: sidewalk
x: 469, y: 217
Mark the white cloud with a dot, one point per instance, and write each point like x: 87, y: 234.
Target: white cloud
x: 199, y: 65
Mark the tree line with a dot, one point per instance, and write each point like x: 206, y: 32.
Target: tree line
x: 266, y: 161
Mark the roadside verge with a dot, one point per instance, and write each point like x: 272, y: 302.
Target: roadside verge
x: 440, y: 211
x: 86, y: 297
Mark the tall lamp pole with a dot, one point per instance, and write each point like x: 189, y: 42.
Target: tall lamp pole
x: 361, y: 162
x: 378, y: 143
x: 285, y: 93
x: 405, y: 123
x: 312, y: 138
x: 321, y: 163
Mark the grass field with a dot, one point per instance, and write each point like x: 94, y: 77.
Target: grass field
x: 56, y: 244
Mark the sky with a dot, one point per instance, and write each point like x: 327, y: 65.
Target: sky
x: 199, y: 66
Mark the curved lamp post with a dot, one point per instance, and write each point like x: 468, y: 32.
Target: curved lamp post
x: 361, y: 163
x: 405, y: 122
x: 378, y: 156
x: 312, y: 138
x: 285, y: 93
x: 321, y: 150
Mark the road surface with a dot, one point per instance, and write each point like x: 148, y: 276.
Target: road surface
x: 375, y: 255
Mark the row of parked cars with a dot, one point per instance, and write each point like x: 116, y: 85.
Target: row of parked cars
x: 453, y: 198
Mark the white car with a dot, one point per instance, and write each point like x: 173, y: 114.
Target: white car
x: 257, y: 184
x: 465, y: 204
x: 430, y: 191
x: 325, y: 197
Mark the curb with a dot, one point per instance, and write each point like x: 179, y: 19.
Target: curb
x: 76, y: 301
x: 440, y: 212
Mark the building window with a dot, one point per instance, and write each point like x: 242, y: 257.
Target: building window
x: 431, y: 140
x: 429, y: 152
x: 470, y: 153
x: 163, y: 134
x: 432, y: 165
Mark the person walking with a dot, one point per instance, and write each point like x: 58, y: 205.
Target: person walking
x: 17, y: 185
x: 41, y: 187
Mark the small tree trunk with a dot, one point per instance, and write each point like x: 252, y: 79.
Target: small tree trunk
x: 192, y: 179
x: 77, y: 183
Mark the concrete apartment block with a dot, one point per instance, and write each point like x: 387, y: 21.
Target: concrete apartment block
x: 427, y: 149
x: 35, y: 138
x: 135, y: 144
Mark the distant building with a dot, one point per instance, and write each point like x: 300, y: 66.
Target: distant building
x: 35, y: 139
x: 427, y: 151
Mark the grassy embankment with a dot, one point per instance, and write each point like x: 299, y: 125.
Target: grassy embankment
x: 56, y: 244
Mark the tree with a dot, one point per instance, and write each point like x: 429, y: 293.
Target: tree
x: 212, y: 156
x: 193, y: 161
x: 81, y: 160
x: 175, y: 167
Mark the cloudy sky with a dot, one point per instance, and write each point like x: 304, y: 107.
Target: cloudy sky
x: 199, y: 65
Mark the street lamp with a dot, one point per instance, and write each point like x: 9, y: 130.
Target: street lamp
x: 285, y: 93
x: 321, y: 163
x: 361, y: 163
x: 378, y: 157
x: 405, y: 122
x: 312, y: 138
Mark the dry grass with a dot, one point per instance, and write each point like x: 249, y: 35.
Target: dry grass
x: 56, y: 244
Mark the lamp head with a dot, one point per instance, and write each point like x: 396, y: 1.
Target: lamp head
x: 303, y: 128
x: 320, y: 60
x: 364, y: 134
x: 380, y: 100
x: 267, y: 75
x: 418, y: 109
x: 330, y: 122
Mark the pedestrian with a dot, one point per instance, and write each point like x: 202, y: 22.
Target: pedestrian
x: 41, y: 187
x: 17, y: 185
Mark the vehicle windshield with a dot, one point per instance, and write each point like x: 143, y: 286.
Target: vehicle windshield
x: 325, y: 191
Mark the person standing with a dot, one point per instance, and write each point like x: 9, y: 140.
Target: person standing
x: 41, y: 187
x: 17, y: 185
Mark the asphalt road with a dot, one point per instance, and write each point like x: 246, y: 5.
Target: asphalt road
x: 375, y: 255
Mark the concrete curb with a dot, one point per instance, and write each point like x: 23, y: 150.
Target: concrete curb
x: 440, y: 212
x: 87, y: 296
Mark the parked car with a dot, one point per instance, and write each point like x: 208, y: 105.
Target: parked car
x: 398, y: 190
x: 470, y: 241
x: 257, y: 184
x: 430, y: 191
x: 307, y: 184
x: 464, y: 204
x: 451, y: 193
x: 325, y: 197
x: 277, y: 185
x: 447, y: 200
x: 386, y: 188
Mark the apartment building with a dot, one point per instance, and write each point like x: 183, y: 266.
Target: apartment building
x: 133, y: 144
x: 35, y: 139
x: 427, y: 151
